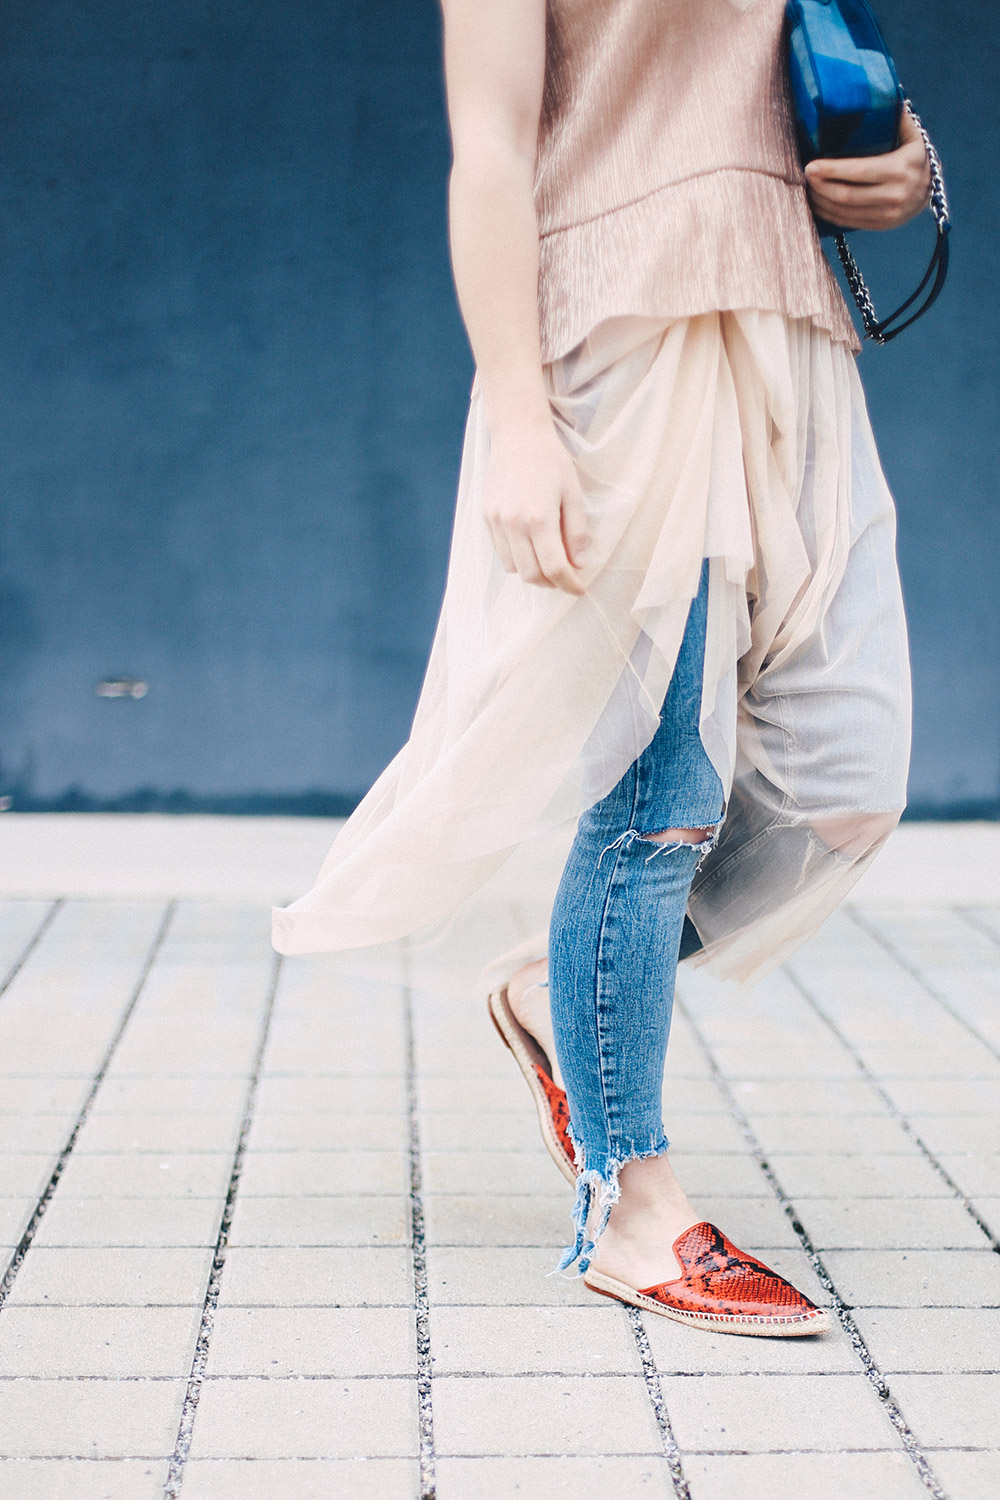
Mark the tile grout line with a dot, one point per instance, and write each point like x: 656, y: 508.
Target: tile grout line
x: 465, y: 1306
x: 457, y: 1375
x: 418, y: 1245
x: 968, y: 914
x: 914, y: 972
x: 654, y: 1390
x: 24, y: 1244
x: 441, y: 1245
x: 189, y: 1410
x: 872, y: 1372
x: 378, y: 1458
x: 31, y: 944
x: 895, y: 1112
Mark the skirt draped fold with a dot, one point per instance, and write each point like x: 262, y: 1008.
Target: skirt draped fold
x: 742, y: 437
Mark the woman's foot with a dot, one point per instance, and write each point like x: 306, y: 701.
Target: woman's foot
x: 528, y: 997
x: 536, y: 1068
x: 657, y: 1254
x: 722, y: 1290
x: 651, y: 1213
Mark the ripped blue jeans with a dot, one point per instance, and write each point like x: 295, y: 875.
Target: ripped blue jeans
x: 615, y: 938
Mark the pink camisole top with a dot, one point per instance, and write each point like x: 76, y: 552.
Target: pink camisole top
x: 668, y: 182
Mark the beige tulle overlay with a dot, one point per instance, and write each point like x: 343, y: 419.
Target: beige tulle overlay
x: 738, y: 436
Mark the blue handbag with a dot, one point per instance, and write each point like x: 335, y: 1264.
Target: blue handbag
x: 847, y: 101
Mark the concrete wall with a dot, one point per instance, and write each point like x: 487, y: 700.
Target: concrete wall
x: 233, y: 380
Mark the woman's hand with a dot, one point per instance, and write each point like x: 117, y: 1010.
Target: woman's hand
x: 873, y: 192
x: 534, y: 508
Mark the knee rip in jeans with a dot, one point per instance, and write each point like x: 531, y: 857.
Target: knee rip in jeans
x: 702, y: 843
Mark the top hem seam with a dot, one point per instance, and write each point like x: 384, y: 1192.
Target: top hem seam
x: 663, y: 187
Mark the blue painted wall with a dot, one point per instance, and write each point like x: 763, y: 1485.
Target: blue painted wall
x: 933, y: 395
x: 233, y: 380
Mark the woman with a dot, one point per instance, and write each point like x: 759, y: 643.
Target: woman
x: 673, y: 619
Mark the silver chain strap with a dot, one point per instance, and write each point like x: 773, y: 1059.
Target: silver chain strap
x: 859, y: 289
x: 938, y: 204
x: 939, y: 196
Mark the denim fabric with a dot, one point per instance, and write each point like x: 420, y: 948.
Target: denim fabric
x: 615, y: 935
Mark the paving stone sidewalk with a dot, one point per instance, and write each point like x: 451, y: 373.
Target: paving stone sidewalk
x: 284, y: 1227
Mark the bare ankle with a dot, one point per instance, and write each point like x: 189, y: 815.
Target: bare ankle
x: 653, y: 1210
x: 526, y: 979
x: 528, y: 997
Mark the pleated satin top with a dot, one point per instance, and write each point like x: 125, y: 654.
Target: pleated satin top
x: 668, y: 181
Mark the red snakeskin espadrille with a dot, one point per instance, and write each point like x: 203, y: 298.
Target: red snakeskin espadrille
x: 723, y: 1289
x: 550, y: 1100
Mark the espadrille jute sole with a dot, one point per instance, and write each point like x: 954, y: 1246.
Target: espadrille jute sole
x: 789, y: 1326
x: 528, y: 1055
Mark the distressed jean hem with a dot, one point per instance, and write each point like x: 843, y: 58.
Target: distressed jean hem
x: 603, y: 1181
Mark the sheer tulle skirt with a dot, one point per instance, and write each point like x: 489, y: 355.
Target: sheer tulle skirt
x: 742, y: 437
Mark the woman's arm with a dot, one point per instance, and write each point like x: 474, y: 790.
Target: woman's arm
x: 873, y: 192
x: 495, y: 67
